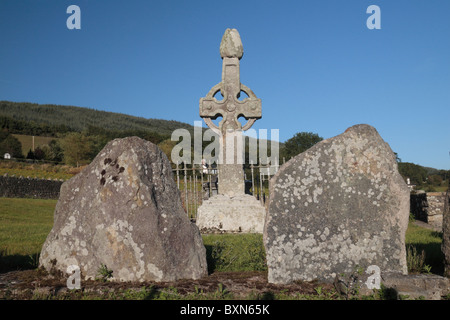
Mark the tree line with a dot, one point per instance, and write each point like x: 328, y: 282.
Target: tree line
x: 80, y: 148
x: 72, y: 148
x: 424, y: 178
x: 50, y: 120
x: 80, y: 133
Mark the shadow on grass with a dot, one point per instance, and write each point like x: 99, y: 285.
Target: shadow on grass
x: 17, y: 262
x: 433, y: 256
x: 212, y: 263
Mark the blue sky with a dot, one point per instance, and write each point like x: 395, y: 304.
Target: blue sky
x: 314, y: 63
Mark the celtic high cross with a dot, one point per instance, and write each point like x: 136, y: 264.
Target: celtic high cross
x: 230, y: 108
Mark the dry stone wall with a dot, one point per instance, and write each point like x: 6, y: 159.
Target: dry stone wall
x: 428, y: 207
x: 18, y: 187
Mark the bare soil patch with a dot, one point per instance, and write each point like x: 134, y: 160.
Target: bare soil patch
x: 38, y: 284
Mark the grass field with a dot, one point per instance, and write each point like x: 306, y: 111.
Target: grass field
x: 426, y: 241
x: 27, y: 142
x: 37, y: 170
x: 25, y: 224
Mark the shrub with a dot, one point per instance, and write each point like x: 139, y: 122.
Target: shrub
x: 414, y: 260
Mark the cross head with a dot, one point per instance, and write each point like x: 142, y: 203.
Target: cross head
x: 230, y: 108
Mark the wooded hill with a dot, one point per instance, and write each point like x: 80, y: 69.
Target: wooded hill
x: 80, y: 133
x: 49, y: 120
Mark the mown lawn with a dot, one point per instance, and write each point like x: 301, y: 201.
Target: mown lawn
x: 25, y: 224
x: 427, y: 242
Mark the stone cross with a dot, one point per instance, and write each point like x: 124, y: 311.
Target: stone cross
x: 231, y: 174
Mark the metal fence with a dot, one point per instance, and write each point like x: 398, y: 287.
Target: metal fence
x: 198, y: 183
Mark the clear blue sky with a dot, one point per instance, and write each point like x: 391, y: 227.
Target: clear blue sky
x: 314, y: 63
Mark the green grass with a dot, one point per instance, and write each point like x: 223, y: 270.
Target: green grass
x: 37, y: 170
x: 24, y: 226
x: 27, y: 142
x: 235, y: 252
x: 428, y: 241
x: 442, y: 188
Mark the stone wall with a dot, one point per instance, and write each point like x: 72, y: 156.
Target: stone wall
x: 18, y: 187
x: 428, y: 207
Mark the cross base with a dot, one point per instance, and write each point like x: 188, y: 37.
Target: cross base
x: 222, y: 213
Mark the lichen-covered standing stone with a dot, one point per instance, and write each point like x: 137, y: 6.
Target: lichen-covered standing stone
x: 336, y: 208
x: 124, y: 211
x: 446, y: 235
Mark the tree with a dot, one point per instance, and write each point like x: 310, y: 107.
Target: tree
x: 10, y: 144
x: 417, y: 174
x: 299, y: 143
x: 55, y: 151
x: 97, y: 143
x: 77, y: 149
x: 435, y: 180
x: 39, y: 154
x: 30, y: 154
x: 166, y: 146
x: 51, y: 151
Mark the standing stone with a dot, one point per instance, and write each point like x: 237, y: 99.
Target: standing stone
x: 124, y: 211
x: 337, y: 207
x: 446, y: 234
x: 231, y: 210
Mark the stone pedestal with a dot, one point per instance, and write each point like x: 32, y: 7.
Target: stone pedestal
x: 242, y: 213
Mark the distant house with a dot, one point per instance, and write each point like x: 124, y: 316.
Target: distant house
x: 410, y: 186
x: 7, y: 156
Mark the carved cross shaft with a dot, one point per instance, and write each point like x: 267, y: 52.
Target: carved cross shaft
x: 231, y: 175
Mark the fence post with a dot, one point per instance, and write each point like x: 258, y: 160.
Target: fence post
x: 253, y: 179
x: 186, y: 200
x: 260, y: 182
x: 194, y: 191
x: 178, y: 177
x: 210, y: 180
x: 190, y: 193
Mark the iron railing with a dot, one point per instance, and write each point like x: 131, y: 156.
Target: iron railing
x: 198, y: 183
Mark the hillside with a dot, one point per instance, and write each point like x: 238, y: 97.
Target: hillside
x: 57, y: 118
x: 27, y: 142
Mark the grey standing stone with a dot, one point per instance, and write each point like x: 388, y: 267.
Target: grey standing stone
x: 446, y: 235
x: 339, y: 206
x: 124, y: 211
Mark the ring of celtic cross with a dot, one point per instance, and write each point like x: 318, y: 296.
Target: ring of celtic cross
x: 230, y: 108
